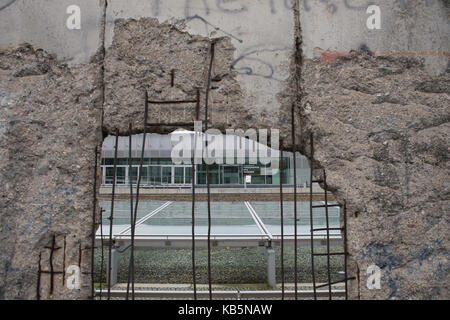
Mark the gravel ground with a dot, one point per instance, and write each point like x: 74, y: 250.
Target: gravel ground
x: 229, y: 266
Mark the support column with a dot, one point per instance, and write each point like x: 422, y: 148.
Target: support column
x: 115, y: 253
x: 271, y: 271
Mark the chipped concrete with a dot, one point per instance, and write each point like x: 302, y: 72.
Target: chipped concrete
x: 43, y: 24
x: 383, y: 141
x: 52, y: 126
x: 380, y: 122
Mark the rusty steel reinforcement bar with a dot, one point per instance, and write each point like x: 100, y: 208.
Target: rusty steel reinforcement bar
x: 328, y: 232
x: 346, y: 252
x: 324, y: 205
x: 51, y: 272
x: 212, y: 49
x: 94, y: 216
x: 335, y: 282
x: 38, y: 284
x: 329, y: 254
x: 111, y: 217
x: 64, y: 264
x: 194, y: 278
x: 102, y: 254
x: 197, y: 106
x: 281, y: 223
x: 173, y: 124
x: 130, y: 182
x: 52, y: 249
x: 194, y: 281
x: 171, y: 101
x: 311, y: 223
x: 294, y: 149
x: 133, y: 223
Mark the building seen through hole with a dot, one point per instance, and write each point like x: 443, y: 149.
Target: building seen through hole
x: 246, y: 231
x: 160, y: 170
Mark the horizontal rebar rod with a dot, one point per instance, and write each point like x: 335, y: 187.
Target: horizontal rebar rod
x: 171, y: 102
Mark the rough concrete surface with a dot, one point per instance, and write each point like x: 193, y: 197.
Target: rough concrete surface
x: 52, y: 124
x: 380, y: 119
x: 381, y: 132
x: 171, y: 65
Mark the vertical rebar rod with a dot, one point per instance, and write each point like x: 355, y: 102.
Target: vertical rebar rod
x: 197, y: 106
x: 52, y: 249
x: 102, y: 254
x: 328, y: 234
x: 208, y: 86
x: 209, y: 231
x: 345, y: 251
x: 80, y: 254
x: 212, y: 49
x: 130, y: 182
x: 311, y: 222
x: 281, y: 220
x: 194, y: 144
x: 141, y: 164
x: 64, y: 266
x: 94, y: 214
x: 194, y: 280
x: 38, y: 285
x: 111, y: 217
x: 294, y: 150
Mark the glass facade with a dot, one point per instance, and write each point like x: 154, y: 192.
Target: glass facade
x: 163, y: 172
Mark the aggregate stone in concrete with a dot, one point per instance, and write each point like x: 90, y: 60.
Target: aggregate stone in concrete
x: 381, y: 132
x: 381, y: 126
x: 50, y: 126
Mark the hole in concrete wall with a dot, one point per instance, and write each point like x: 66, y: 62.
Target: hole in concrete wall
x: 245, y: 216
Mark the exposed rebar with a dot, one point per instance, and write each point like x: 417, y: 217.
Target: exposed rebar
x: 111, y: 217
x: 311, y: 222
x: 94, y: 214
x: 212, y: 48
x: 328, y: 233
x: 130, y: 166
x: 294, y: 150
x: 141, y: 163
x: 281, y: 221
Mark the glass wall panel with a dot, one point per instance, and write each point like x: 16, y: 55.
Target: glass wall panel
x: 134, y: 175
x: 121, y: 175
x: 179, y: 175
x: 188, y: 175
x: 155, y: 175
x: 230, y: 175
x: 145, y: 175
x: 166, y: 175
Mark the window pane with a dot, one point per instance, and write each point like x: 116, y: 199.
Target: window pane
x: 120, y: 177
x: 155, y: 175
x: 231, y: 175
x: 188, y: 175
x: 166, y: 175
x: 133, y: 175
x: 179, y: 175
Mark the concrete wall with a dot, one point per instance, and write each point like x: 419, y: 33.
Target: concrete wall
x: 407, y: 29
x: 269, y: 56
x: 43, y: 24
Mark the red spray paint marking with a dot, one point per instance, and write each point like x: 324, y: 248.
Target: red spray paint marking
x: 329, y: 56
